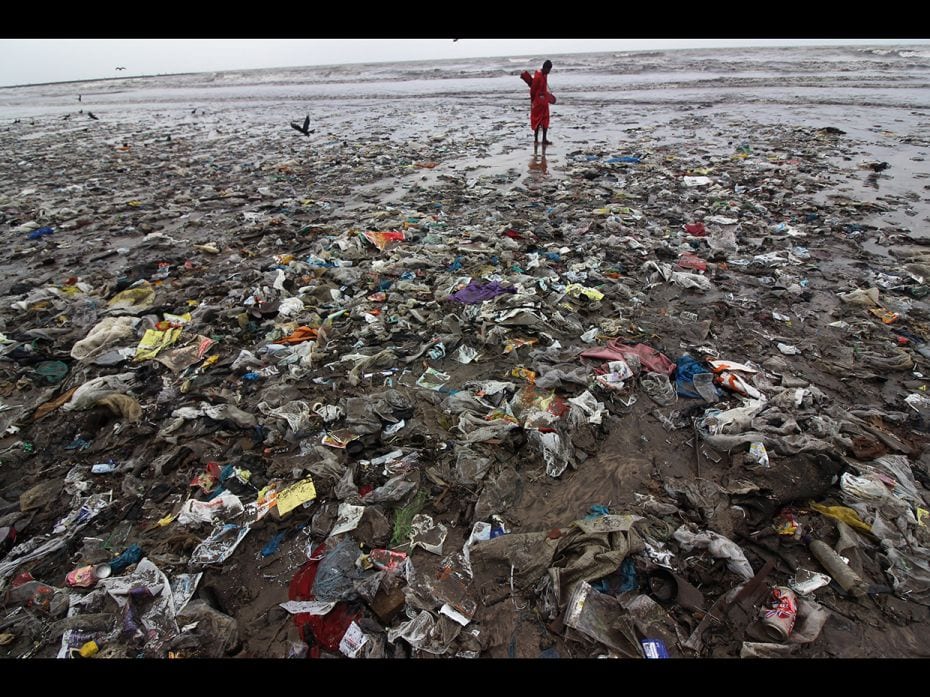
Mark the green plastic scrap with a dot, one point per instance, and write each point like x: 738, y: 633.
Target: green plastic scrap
x: 403, y: 519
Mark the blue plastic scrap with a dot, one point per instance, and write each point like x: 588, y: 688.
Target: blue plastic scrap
x: 685, y: 371
x: 132, y: 555
x: 654, y: 648
x: 40, y: 232
x: 272, y: 546
x: 597, y: 511
x: 628, y: 574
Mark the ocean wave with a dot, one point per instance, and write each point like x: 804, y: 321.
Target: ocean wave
x: 898, y: 52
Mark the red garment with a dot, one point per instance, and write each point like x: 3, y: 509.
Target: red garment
x: 539, y: 101
x: 321, y: 631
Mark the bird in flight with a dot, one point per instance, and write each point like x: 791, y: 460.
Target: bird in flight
x: 120, y: 67
x: 305, y: 129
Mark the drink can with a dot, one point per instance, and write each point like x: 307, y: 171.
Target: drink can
x: 87, y: 576
x: 782, y: 612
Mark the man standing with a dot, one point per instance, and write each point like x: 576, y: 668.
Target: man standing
x: 540, y: 99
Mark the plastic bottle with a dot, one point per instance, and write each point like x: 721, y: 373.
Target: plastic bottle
x: 848, y: 579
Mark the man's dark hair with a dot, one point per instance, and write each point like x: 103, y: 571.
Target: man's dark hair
x: 547, y: 65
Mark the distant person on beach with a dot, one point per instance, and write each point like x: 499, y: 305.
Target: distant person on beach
x: 540, y: 99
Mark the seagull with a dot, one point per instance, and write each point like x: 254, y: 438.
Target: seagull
x: 91, y: 114
x: 120, y: 67
x: 305, y: 129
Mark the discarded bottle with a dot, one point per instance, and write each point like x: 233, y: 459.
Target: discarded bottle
x: 848, y: 579
x: 704, y: 386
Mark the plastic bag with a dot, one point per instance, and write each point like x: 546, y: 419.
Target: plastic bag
x: 220, y: 545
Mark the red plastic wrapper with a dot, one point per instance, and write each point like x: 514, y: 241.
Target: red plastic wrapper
x: 388, y: 559
x: 320, y: 631
x: 696, y: 229
x: 209, y: 479
x: 651, y: 360
x: 692, y: 261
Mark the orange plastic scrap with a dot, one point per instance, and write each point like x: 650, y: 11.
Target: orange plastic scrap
x: 526, y: 374
x: 382, y: 239
x: 886, y: 316
x: 720, y: 366
x: 847, y: 515
x: 299, y: 335
x: 44, y: 410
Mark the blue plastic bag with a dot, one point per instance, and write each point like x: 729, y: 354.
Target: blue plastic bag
x: 685, y: 371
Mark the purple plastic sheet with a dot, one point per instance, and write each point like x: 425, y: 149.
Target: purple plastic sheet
x: 476, y: 292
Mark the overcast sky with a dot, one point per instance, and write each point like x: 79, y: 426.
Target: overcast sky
x: 30, y: 61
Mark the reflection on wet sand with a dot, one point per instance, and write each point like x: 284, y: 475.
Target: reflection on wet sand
x: 538, y: 163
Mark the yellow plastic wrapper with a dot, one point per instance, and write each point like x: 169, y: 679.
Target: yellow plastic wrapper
x: 296, y: 494
x: 921, y: 514
x: 576, y: 289
x: 154, y: 340
x: 516, y: 343
x: 847, y: 515
x: 138, y: 298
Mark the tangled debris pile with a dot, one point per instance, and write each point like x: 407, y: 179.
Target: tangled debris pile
x: 642, y: 408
